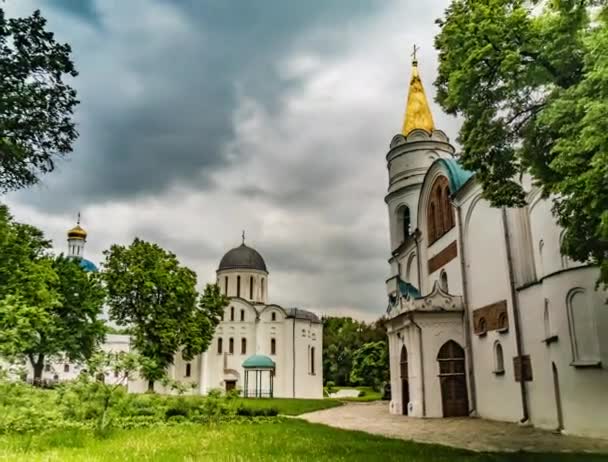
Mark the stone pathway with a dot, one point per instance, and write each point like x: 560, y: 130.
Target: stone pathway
x: 468, y: 433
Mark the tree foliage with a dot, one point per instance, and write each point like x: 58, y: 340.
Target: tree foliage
x: 342, y: 337
x: 152, y: 294
x: 36, y: 102
x: 530, y: 80
x: 49, y: 306
x: 370, y: 365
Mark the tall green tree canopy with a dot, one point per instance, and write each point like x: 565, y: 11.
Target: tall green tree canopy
x: 342, y: 337
x: 370, y: 364
x: 36, y: 102
x: 156, y: 297
x: 530, y: 80
x: 49, y: 306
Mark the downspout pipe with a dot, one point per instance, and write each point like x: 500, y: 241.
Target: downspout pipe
x: 517, y: 318
x: 466, y: 320
x: 418, y: 259
x: 422, y: 388
x: 293, y: 349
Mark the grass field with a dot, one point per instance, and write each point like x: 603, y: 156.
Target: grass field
x: 291, y: 406
x: 277, y: 440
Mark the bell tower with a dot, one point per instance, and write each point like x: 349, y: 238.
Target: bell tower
x: 410, y: 154
x: 77, y: 237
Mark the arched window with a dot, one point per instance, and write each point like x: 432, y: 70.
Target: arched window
x: 431, y: 222
x: 66, y: 368
x: 583, y: 328
x: 447, y: 208
x: 188, y: 369
x: 440, y: 214
x: 232, y: 313
x: 226, y: 285
x: 443, y: 280
x: 312, y: 360
x: 243, y: 346
x: 242, y: 315
x: 273, y: 346
x: 220, y: 345
x: 251, y: 288
x: 406, y: 221
x: 231, y: 345
x: 499, y: 360
x: 262, y: 288
x: 273, y: 316
x: 238, y: 286
x: 403, y: 363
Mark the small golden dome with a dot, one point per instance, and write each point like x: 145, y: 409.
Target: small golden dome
x: 77, y: 233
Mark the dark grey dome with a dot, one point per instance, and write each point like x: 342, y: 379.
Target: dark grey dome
x: 242, y: 257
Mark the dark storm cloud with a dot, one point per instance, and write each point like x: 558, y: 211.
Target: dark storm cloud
x: 175, y: 129
x: 85, y: 9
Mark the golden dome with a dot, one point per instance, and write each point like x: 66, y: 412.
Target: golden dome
x: 77, y: 233
x: 417, y: 113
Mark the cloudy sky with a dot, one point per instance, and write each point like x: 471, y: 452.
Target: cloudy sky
x: 201, y: 118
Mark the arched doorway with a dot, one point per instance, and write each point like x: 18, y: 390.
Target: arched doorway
x: 405, y: 384
x: 453, y: 381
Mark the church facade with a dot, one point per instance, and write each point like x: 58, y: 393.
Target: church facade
x: 259, y: 348
x: 486, y: 317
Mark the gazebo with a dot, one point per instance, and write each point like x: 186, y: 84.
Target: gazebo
x: 262, y: 368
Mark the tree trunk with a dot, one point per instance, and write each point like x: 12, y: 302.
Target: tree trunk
x: 150, y: 386
x: 38, y: 367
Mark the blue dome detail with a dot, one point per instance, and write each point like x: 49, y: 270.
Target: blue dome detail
x: 457, y: 176
x: 259, y: 362
x: 88, y: 265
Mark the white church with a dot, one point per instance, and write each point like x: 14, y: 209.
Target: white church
x: 261, y: 349
x: 486, y: 317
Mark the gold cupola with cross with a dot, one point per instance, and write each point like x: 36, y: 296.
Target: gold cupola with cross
x: 417, y: 112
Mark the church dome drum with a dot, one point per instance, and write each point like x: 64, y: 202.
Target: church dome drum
x: 242, y: 257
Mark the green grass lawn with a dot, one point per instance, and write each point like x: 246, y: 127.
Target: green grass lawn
x: 290, y: 406
x: 277, y: 440
x: 369, y: 394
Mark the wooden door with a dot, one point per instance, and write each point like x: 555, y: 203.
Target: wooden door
x: 405, y: 396
x: 452, y: 377
x: 405, y: 385
x: 230, y: 385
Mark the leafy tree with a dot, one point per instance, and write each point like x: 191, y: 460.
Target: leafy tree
x: 36, y: 104
x: 532, y: 87
x: 370, y: 365
x: 156, y: 297
x: 49, y: 306
x: 342, y: 336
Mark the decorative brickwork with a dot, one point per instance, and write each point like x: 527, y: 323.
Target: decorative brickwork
x: 491, y: 317
x: 527, y: 366
x: 443, y: 257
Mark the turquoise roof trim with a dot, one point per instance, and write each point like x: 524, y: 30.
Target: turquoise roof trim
x: 408, y: 290
x: 457, y: 176
x: 258, y: 362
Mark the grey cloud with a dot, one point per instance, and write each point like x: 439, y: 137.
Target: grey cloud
x: 167, y: 154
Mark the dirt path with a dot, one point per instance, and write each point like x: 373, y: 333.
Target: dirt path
x: 468, y: 433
